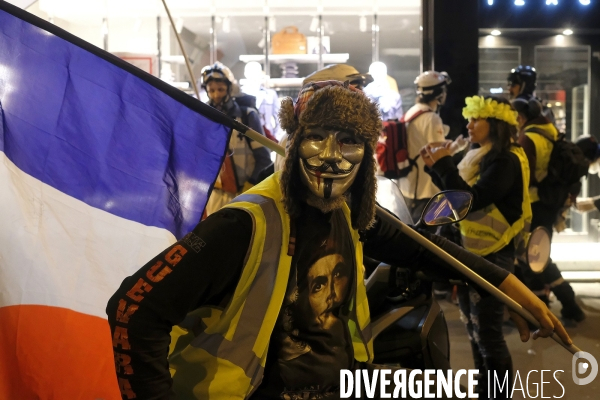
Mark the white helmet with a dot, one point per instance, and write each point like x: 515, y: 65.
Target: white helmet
x: 430, y: 84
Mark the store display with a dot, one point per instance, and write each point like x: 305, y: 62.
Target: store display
x: 288, y: 41
x: 267, y: 100
x: 289, y: 70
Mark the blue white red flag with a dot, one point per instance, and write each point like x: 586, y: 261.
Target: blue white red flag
x: 102, y: 166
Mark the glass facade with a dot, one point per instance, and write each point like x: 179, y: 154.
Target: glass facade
x: 354, y: 32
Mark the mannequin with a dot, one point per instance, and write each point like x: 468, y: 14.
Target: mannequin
x: 384, y: 91
x: 267, y: 101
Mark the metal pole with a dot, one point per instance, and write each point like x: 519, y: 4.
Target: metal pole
x: 105, y: 33
x: 158, y: 44
x: 375, y: 38
x: 185, y: 57
x: 213, y: 39
x: 320, y: 65
x: 267, y: 46
x: 426, y: 35
x: 402, y: 227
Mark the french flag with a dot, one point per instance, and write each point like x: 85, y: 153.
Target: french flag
x: 102, y: 166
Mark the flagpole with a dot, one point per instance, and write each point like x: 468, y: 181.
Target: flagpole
x: 185, y: 57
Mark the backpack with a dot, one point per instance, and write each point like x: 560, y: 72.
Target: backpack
x: 392, y: 148
x: 247, y: 104
x: 566, y: 167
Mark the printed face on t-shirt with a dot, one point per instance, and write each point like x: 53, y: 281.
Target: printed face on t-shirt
x: 328, y: 280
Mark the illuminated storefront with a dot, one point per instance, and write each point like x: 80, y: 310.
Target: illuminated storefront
x: 561, y: 40
x: 236, y: 32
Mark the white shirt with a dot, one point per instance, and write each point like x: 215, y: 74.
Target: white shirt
x: 426, y: 128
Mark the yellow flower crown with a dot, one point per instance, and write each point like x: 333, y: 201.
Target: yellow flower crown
x: 478, y: 107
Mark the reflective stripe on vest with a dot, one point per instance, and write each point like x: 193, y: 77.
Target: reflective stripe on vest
x: 486, y: 231
x: 543, y: 149
x: 227, y: 358
x: 218, y: 354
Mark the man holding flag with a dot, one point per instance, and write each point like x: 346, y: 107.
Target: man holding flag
x: 279, y: 272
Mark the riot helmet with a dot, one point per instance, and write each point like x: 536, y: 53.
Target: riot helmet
x: 525, y: 76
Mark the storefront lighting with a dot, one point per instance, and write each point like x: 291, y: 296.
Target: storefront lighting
x: 226, y: 25
x: 137, y: 25
x: 519, y: 2
x: 560, y: 38
x: 585, y: 2
x: 549, y: 105
x: 362, y: 23
x: 558, y: 104
x: 497, y: 90
x: 496, y: 32
x: 567, y: 32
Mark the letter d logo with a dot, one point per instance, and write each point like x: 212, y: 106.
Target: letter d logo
x: 583, y: 367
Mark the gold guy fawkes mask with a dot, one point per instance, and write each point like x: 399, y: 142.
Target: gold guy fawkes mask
x: 329, y: 161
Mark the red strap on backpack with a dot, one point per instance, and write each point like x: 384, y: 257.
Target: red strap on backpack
x: 392, y: 148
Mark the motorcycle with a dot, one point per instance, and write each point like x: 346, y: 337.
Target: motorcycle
x: 408, y: 324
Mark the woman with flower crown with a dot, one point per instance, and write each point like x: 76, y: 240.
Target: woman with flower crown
x: 495, y: 170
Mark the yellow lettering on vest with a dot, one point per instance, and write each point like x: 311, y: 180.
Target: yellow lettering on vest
x: 125, y: 388
x: 175, y: 254
x: 124, y: 312
x: 483, y: 233
x: 157, y: 277
x: 136, y: 293
x: 122, y: 364
x: 121, y: 337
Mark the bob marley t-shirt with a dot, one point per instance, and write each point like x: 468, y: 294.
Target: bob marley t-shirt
x: 311, y: 341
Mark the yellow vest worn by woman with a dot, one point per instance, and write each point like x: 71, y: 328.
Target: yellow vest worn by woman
x: 543, y: 149
x: 486, y: 231
x: 221, y: 353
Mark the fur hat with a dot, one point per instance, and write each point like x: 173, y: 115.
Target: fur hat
x: 332, y: 105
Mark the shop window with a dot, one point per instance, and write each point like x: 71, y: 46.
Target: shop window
x: 563, y: 85
x: 494, y: 65
x: 400, y: 50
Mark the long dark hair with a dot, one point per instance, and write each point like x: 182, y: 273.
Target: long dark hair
x: 502, y: 134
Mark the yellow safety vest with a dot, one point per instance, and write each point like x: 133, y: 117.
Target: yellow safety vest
x: 543, y: 149
x: 486, y: 231
x: 221, y: 354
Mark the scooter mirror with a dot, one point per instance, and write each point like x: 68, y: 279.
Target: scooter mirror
x: 538, y: 249
x: 447, y: 207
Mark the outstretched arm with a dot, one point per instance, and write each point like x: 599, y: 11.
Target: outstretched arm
x: 200, y: 269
